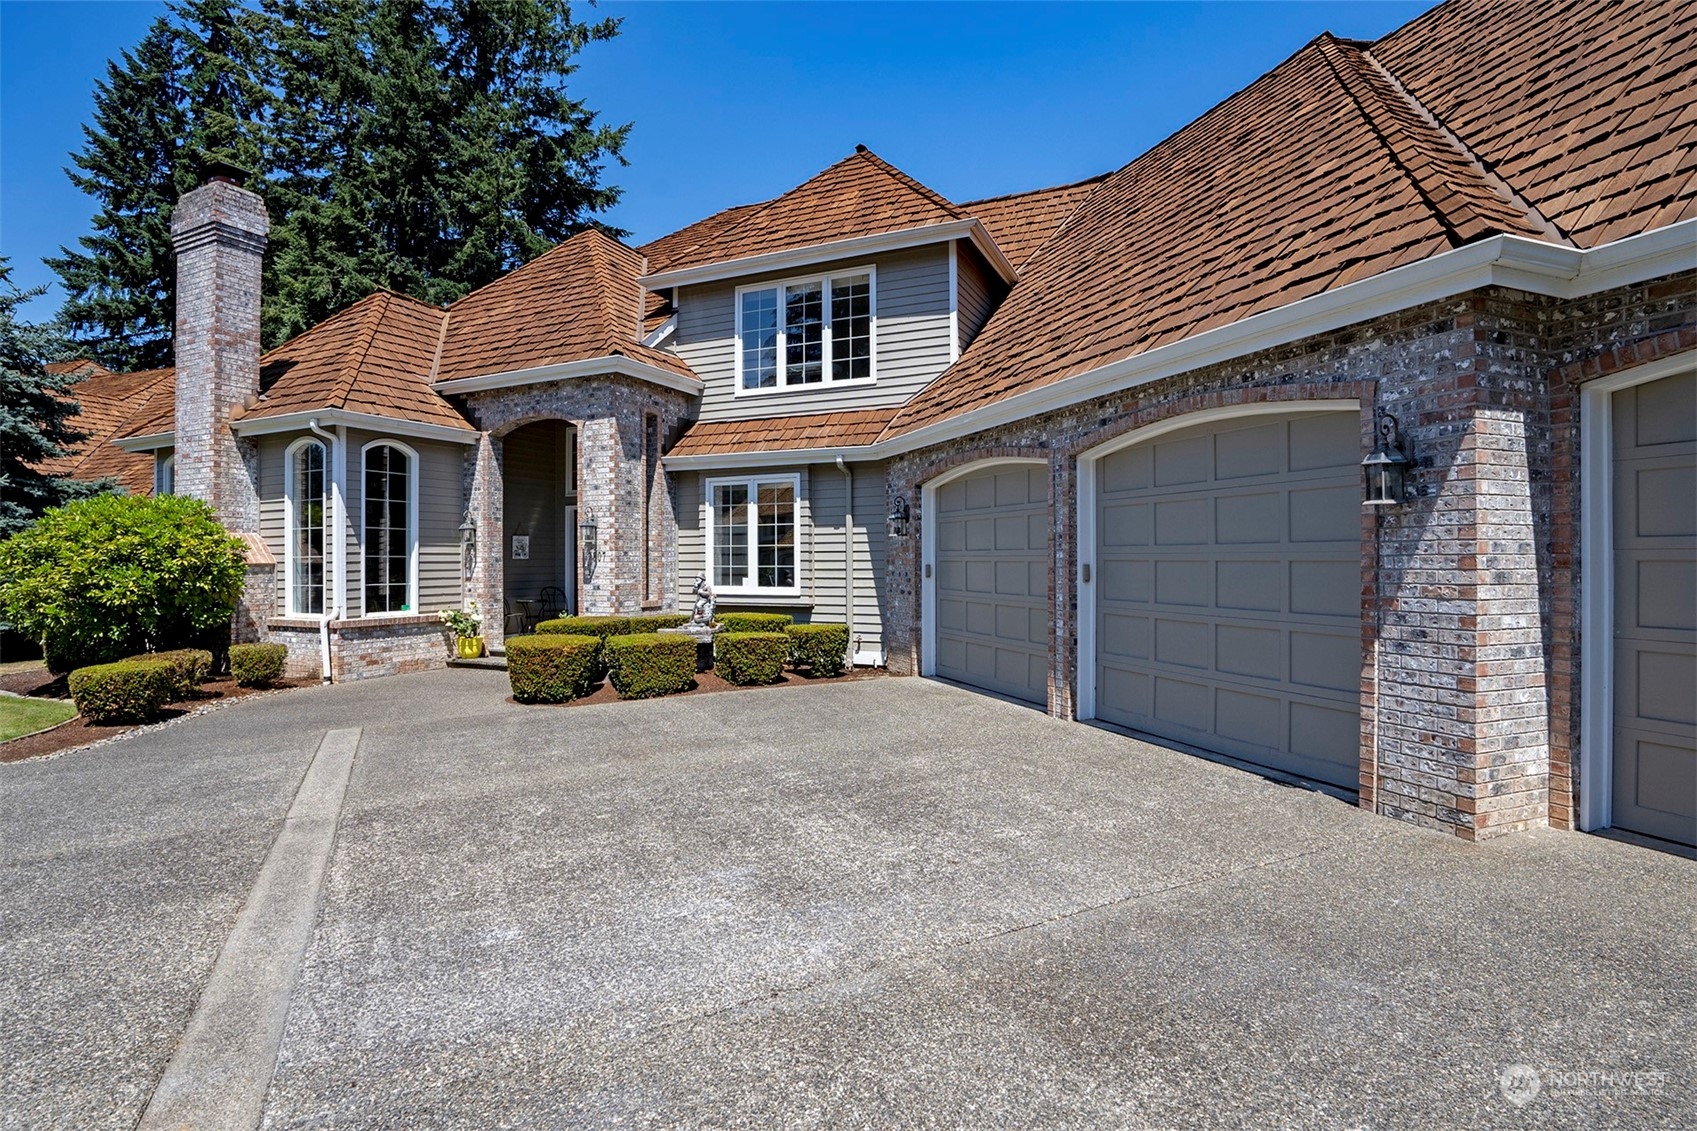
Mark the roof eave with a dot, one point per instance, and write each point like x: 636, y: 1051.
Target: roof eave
x: 611, y: 365
x: 769, y: 457
x: 371, y: 422
x: 858, y: 246
x: 153, y: 441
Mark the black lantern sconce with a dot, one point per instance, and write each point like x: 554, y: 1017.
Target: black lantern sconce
x: 587, y: 541
x: 898, y: 516
x: 1384, y: 473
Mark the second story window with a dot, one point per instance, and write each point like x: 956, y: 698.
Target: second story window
x: 805, y: 332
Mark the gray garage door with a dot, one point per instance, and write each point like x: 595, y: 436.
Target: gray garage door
x: 993, y: 581
x: 1655, y: 610
x: 1228, y: 591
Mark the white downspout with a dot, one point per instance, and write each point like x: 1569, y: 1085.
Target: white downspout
x: 338, y: 544
x: 848, y: 556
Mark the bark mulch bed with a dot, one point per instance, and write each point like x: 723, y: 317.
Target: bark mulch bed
x: 707, y: 682
x: 39, y: 684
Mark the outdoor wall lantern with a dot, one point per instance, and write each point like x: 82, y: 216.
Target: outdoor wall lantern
x: 586, y: 538
x: 1384, y: 472
x: 898, y: 516
x: 468, y: 546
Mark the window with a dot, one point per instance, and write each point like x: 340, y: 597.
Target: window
x: 165, y: 475
x: 751, y: 539
x: 304, y: 496
x: 390, y: 522
x: 805, y: 332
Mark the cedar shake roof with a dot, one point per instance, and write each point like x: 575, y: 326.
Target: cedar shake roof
x: 861, y: 195
x: 374, y: 357
x: 1347, y: 160
x: 784, y: 433
x: 578, y: 302
x: 1021, y: 221
x: 108, y: 405
x: 670, y: 250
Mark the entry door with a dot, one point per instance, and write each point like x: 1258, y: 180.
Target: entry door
x: 1655, y: 608
x: 1228, y: 574
x: 992, y: 584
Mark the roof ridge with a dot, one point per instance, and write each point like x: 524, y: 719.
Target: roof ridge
x: 1439, y: 171
x: 350, y: 371
x: 918, y: 186
x: 570, y: 241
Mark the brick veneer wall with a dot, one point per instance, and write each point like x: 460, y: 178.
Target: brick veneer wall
x: 609, y: 414
x: 1469, y: 601
x: 219, y: 232
x: 363, y: 648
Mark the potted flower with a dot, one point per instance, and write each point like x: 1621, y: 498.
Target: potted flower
x: 467, y: 626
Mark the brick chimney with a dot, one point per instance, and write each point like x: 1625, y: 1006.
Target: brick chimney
x: 219, y: 233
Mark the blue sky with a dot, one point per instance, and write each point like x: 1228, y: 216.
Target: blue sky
x: 734, y: 102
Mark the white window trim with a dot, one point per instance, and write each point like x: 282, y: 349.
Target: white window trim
x: 164, y: 466
x: 752, y: 482
x: 289, y: 608
x: 823, y: 278
x: 412, y: 608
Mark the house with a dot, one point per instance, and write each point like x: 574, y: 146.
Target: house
x: 1098, y: 448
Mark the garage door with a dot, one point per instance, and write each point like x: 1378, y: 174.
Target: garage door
x: 992, y: 605
x: 1228, y: 591
x: 1655, y: 610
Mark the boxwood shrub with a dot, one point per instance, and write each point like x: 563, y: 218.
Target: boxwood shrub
x: 550, y: 668
x: 750, y: 657
x: 188, y: 667
x: 256, y: 665
x: 129, y: 691
x: 819, y: 648
x: 649, y: 664
x: 610, y: 626
x: 754, y: 622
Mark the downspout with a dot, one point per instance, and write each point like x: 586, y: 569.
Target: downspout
x: 848, y: 557
x: 333, y: 606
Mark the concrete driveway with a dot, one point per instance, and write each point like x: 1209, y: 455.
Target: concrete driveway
x: 886, y: 903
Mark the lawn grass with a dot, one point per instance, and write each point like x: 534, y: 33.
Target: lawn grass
x: 19, y: 717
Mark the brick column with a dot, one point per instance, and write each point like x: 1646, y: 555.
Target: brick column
x: 219, y: 231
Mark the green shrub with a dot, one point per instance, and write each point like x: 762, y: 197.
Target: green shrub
x: 650, y: 664
x: 754, y: 622
x: 256, y: 665
x: 550, y: 668
x: 129, y: 691
x: 114, y: 575
x: 750, y: 657
x: 820, y: 648
x: 610, y: 626
x: 188, y: 667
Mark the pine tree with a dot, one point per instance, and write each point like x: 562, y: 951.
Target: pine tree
x: 36, y: 414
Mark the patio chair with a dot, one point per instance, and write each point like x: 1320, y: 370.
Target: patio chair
x: 550, y: 603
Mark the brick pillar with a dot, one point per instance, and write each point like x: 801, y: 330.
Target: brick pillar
x: 219, y: 232
x: 605, y: 479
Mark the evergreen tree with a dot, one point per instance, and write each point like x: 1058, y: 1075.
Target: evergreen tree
x: 426, y: 146
x: 35, y: 414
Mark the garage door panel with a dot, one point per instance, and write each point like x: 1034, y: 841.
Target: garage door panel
x: 951, y: 614
x: 1013, y: 579
x: 951, y: 534
x: 980, y: 576
x: 1253, y: 644
x: 980, y: 493
x: 980, y: 618
x: 980, y: 533
x: 1654, y: 725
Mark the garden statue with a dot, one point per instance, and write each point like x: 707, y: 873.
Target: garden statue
x: 703, y: 614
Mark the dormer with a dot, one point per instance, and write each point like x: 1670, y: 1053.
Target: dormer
x: 853, y: 290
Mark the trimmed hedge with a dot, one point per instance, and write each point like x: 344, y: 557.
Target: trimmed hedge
x: 255, y: 665
x: 649, y: 664
x: 754, y: 622
x: 550, y: 668
x: 603, y: 627
x: 129, y: 691
x: 819, y: 647
x: 188, y: 667
x: 750, y: 657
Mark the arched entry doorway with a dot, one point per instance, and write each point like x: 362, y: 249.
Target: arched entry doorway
x: 539, y: 522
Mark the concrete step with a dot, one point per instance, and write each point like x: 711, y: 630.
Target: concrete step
x: 496, y: 661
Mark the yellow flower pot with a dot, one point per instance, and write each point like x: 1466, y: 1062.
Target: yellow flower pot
x: 469, y: 647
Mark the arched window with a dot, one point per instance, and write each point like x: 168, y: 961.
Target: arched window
x: 165, y: 474
x: 305, y: 490
x: 391, y: 523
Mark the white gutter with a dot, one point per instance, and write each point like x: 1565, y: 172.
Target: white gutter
x: 856, y: 247
x: 371, y: 422
x: 614, y: 364
x: 661, y: 332
x: 337, y: 445
x: 148, y: 443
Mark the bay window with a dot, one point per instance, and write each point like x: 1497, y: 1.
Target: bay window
x: 391, y: 523
x: 752, y: 534
x: 305, y: 495
x: 805, y: 332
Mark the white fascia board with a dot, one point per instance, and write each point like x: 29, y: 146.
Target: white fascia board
x: 615, y: 365
x: 1509, y: 261
x: 370, y: 422
x: 148, y: 443
x: 799, y: 257
x: 661, y: 332
x: 793, y: 457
